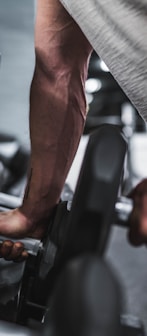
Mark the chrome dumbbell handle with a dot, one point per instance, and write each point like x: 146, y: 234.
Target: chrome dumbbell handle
x: 31, y: 245
x: 123, y: 208
x: 9, y: 201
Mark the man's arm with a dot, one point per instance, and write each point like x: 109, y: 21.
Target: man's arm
x: 57, y: 116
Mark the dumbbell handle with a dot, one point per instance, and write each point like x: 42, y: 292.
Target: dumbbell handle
x: 123, y: 208
x: 31, y: 245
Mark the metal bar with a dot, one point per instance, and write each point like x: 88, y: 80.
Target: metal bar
x: 32, y: 246
x: 123, y: 208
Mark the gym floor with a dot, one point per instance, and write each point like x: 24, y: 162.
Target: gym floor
x: 16, y: 47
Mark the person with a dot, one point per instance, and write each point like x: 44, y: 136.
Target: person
x: 65, y: 34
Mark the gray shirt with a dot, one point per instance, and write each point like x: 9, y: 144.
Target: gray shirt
x: 117, y: 30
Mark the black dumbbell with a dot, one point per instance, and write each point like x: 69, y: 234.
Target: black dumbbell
x: 38, y: 269
x: 96, y: 193
x: 89, y: 221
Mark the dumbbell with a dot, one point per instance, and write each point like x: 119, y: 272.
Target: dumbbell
x: 96, y: 193
x: 42, y: 259
x: 88, y: 222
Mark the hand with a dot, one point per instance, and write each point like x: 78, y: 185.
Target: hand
x: 138, y: 217
x: 13, y: 251
x: 14, y: 224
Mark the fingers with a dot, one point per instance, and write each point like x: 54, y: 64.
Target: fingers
x: 138, y: 218
x: 13, y: 251
x: 139, y: 190
x: 134, y: 235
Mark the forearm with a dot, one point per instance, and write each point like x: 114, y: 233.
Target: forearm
x: 57, y: 106
x: 57, y: 117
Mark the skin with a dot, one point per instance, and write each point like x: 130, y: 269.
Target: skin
x: 57, y: 116
x: 138, y: 219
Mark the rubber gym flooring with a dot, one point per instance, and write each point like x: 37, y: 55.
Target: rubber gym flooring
x: 16, y: 47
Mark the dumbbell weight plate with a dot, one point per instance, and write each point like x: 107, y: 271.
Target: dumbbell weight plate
x: 86, y: 300
x: 94, y: 200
